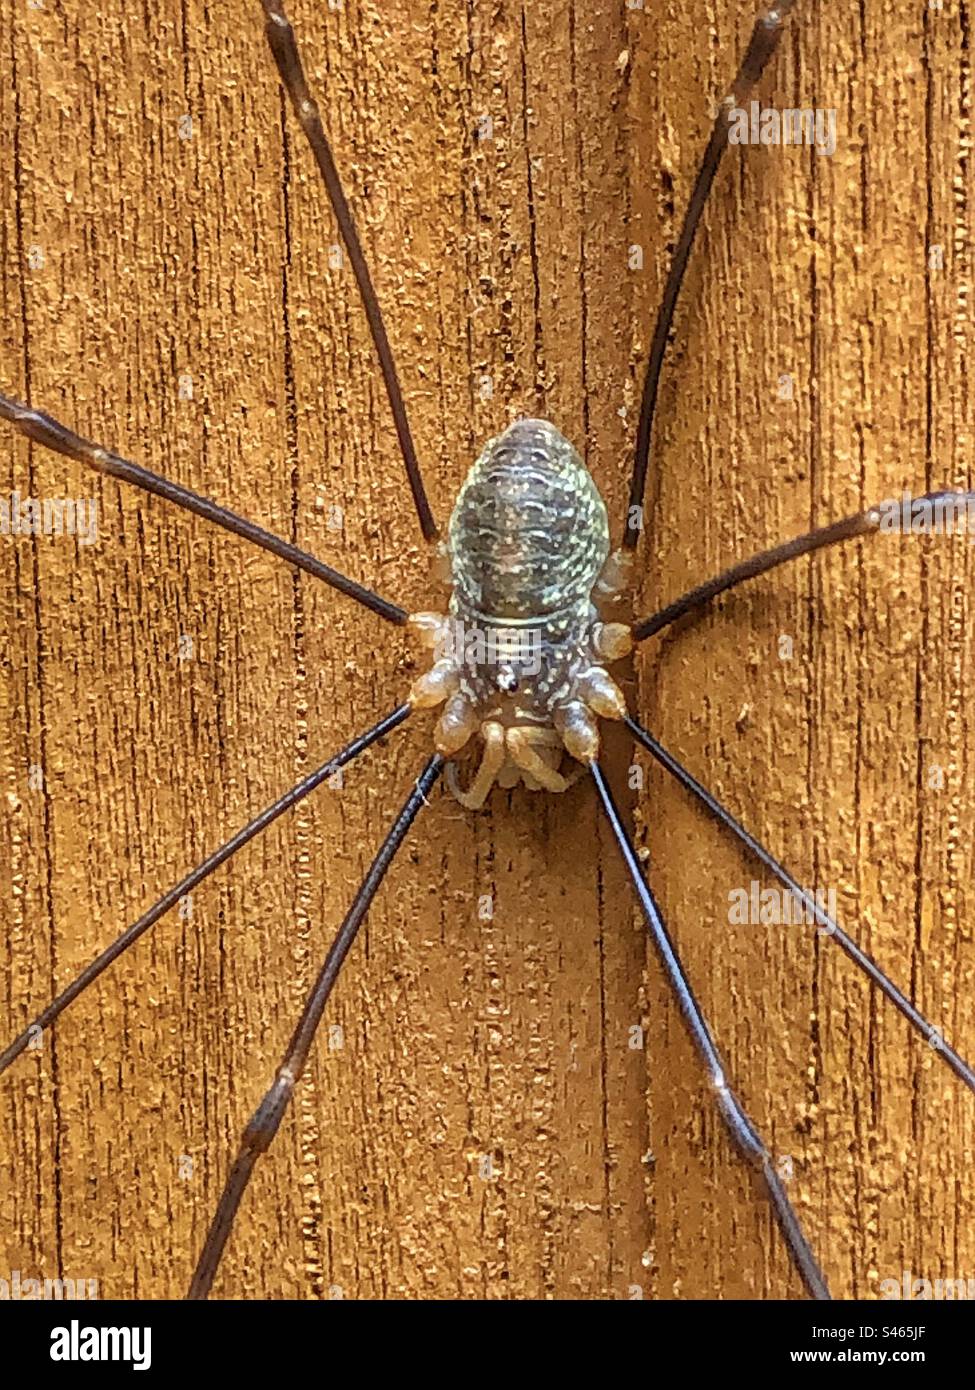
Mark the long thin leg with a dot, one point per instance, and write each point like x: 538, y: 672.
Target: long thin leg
x: 870, y: 968
x: 281, y: 38
x: 202, y: 871
x: 744, y: 1134
x: 864, y: 523
x: 264, y: 1123
x: 762, y: 44
x: 44, y: 429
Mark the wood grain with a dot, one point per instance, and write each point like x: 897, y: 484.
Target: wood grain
x: 482, y: 1124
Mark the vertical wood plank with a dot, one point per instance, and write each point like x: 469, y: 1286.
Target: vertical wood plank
x: 502, y: 1102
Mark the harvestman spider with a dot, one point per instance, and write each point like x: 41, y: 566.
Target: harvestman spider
x: 528, y: 551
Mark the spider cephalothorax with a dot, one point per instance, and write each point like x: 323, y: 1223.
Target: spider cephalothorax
x: 520, y: 650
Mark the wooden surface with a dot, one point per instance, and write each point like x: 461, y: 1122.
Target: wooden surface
x: 486, y: 1128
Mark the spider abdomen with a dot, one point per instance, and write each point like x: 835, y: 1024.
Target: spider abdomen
x: 528, y: 535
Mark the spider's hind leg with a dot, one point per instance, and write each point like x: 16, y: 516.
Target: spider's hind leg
x: 764, y: 40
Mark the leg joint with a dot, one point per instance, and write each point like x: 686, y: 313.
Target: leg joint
x: 264, y: 1123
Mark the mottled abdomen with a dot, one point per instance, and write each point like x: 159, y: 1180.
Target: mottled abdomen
x: 529, y: 534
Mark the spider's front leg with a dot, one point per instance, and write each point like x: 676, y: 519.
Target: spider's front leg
x: 742, y: 1130
x: 266, y: 1120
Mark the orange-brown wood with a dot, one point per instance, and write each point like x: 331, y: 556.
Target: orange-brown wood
x: 503, y: 1102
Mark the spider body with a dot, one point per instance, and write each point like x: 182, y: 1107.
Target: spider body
x: 520, y: 650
